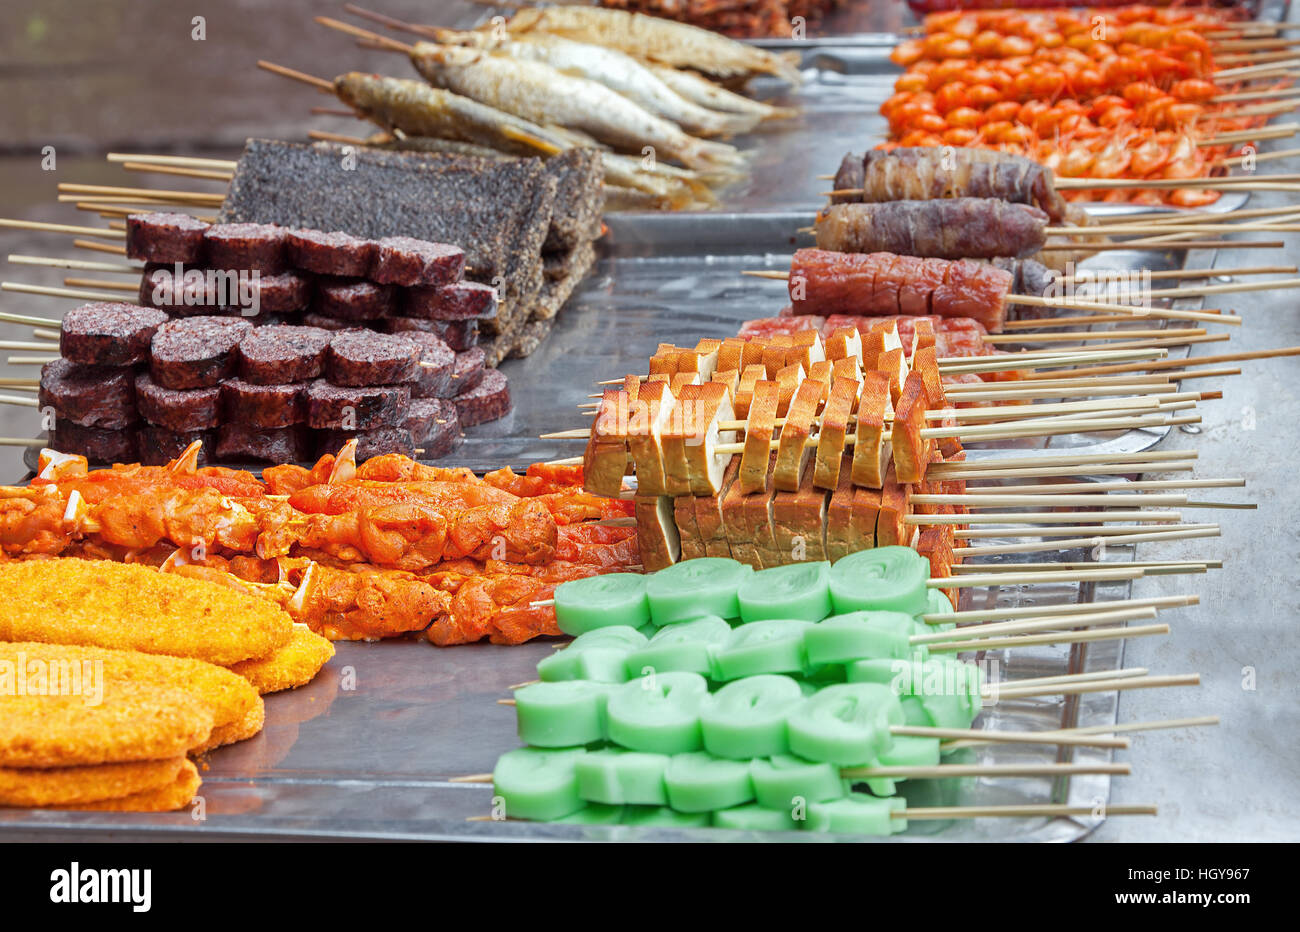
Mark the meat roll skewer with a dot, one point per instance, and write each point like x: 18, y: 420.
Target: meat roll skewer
x: 955, y: 228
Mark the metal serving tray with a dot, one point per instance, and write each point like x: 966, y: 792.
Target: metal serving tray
x: 367, y: 750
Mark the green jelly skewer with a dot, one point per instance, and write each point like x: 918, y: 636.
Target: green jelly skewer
x: 658, y: 713
x: 770, y: 646
x: 846, y: 724
x: 600, y: 654
x: 538, y: 783
x: 746, y: 718
x: 663, y: 817
x: 784, y: 781
x: 563, y: 714
x: 881, y: 579
x: 862, y: 636
x: 593, y: 814
x: 936, y: 603
x: 614, y: 776
x: 582, y: 605
x: 754, y: 818
x: 799, y: 590
x: 684, y: 647
x: 906, y: 751
x: 700, y: 782
x: 692, y: 588
x: 857, y: 814
x: 941, y: 691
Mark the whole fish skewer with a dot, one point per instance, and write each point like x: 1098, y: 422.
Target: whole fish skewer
x: 651, y: 39
x: 421, y: 111
x: 704, y: 92
x: 619, y: 72
x: 543, y: 95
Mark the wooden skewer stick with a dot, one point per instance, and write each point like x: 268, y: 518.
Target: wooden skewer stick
x: 1144, y: 485
x: 1260, y: 156
x: 1194, y: 361
x: 30, y: 360
x: 1109, y: 469
x: 1064, y: 459
x: 978, y: 616
x: 185, y: 160
x: 1092, y: 530
x: 100, y: 247
x: 999, y: 500
x: 1034, y: 625
x: 1043, y: 517
x: 101, y: 283
x: 1117, y: 540
x: 941, y: 771
x: 1097, y: 686
x: 82, y: 264
x: 211, y: 174
x: 203, y: 197
x: 1142, y: 244
x: 21, y: 402
x: 34, y: 321
x: 320, y: 83
x: 20, y: 442
x: 1070, y: 637
x: 27, y: 345
x: 52, y: 292
x: 1124, y: 728
x: 996, y: 736
x: 62, y: 228
x: 1152, y: 567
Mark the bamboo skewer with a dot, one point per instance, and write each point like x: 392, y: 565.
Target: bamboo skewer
x: 81, y: 264
x: 181, y: 160
x: 974, y: 616
x: 62, y: 228
x: 214, y: 175
x: 1192, y: 361
x: 52, y: 292
x: 99, y: 247
x: 200, y: 197
x: 101, y: 283
x: 1092, y: 530
x: 1118, y: 728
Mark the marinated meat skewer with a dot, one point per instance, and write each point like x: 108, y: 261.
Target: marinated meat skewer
x: 929, y: 173
x: 956, y: 228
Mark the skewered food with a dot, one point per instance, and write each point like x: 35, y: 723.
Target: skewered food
x: 101, y: 334
x: 955, y: 228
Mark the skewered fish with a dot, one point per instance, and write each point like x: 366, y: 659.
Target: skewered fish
x: 546, y: 96
x: 612, y: 68
x: 704, y: 92
x: 651, y: 39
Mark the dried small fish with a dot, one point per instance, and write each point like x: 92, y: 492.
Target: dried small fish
x: 615, y: 70
x: 704, y: 92
x: 651, y: 39
x: 543, y: 95
x: 420, y: 110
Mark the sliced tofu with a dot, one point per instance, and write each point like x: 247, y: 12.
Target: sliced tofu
x: 806, y: 349
x: 729, y: 379
x: 674, y: 435
x: 708, y: 514
x: 871, y: 452
x: 842, y: 538
x: 847, y: 368
x: 751, y: 353
x: 936, y: 544
x: 758, y: 521
x: 681, y: 380
x: 687, y: 530
x: 656, y: 531
x: 822, y: 372
x: 925, y: 362
x: 606, y: 460
x: 911, y: 453
x: 866, y: 515
x: 650, y: 415
x: 893, y: 364
x: 739, y: 540
x: 794, y: 449
x: 706, y: 353
x: 730, y: 353
x: 844, y: 343
x: 799, y: 521
x: 889, y: 334
x: 664, y: 362
x: 705, y: 466
x: 775, y: 352
x: 891, y: 530
x: 922, y: 336
x: 789, y: 379
x: 759, y: 429
x: 749, y: 376
x: 873, y: 344
x: 833, y: 435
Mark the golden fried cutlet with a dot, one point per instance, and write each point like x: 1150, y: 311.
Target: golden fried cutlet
x: 134, y: 721
x: 231, y: 732
x: 133, y: 607
x: 175, y: 795
x: 66, y: 786
x: 288, y: 667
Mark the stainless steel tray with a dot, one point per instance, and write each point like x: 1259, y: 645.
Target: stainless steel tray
x: 374, y: 760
